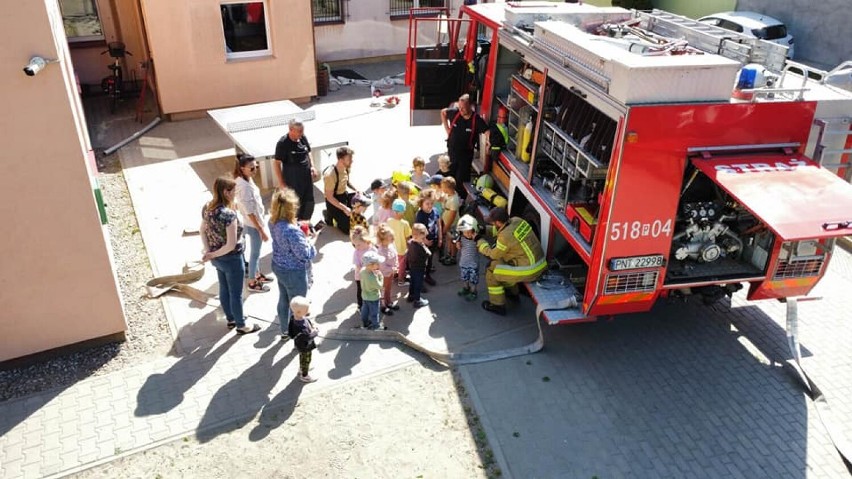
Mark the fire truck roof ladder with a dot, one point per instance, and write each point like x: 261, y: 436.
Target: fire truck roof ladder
x: 712, y: 39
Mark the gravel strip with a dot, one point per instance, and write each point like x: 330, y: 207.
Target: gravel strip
x: 147, y: 329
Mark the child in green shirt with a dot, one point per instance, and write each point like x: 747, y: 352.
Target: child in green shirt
x: 371, y: 290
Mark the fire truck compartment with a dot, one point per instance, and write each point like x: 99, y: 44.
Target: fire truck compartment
x: 791, y: 194
x: 737, y: 210
x: 715, y: 238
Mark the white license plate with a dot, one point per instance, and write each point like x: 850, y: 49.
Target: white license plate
x: 636, y: 262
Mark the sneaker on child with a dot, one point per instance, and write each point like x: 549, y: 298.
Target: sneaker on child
x: 307, y: 379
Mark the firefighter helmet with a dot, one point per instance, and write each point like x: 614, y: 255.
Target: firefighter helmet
x: 467, y: 223
x: 484, y: 181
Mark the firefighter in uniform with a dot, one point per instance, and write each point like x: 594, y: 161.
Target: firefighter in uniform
x: 517, y: 257
x: 498, y: 134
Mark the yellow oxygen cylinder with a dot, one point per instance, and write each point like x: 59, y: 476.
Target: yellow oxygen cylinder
x: 525, y: 143
x: 519, y: 140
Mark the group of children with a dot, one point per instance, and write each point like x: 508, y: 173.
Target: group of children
x: 412, y: 222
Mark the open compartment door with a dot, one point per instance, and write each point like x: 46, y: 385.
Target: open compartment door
x: 435, y: 68
x: 790, y: 194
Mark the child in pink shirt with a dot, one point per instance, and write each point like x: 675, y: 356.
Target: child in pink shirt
x: 386, y: 249
x: 384, y: 212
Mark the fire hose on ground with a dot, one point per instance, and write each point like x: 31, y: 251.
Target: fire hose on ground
x: 193, y: 272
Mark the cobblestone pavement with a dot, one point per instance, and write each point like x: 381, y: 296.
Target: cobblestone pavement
x: 684, y: 391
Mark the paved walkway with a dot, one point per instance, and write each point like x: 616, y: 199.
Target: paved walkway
x: 684, y: 391
x: 219, y: 380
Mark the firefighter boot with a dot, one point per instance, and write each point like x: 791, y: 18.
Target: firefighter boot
x: 494, y: 308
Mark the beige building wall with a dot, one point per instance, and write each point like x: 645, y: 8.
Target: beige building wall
x: 57, y: 285
x: 368, y: 31
x: 187, y: 44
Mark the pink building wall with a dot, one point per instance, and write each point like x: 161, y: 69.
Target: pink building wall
x: 57, y: 285
x: 186, y: 41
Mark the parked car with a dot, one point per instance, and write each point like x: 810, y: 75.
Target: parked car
x: 753, y: 24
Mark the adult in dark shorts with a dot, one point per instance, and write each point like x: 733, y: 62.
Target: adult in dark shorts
x: 294, y: 168
x: 463, y: 127
x: 336, y: 187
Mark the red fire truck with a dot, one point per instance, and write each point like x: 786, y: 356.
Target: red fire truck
x: 662, y: 156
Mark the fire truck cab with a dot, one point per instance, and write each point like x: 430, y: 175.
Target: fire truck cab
x: 654, y: 155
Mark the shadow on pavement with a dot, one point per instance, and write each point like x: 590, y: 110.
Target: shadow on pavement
x: 238, y: 400
x: 162, y: 392
x: 277, y: 411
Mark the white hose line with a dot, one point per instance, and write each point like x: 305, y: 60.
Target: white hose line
x: 133, y: 137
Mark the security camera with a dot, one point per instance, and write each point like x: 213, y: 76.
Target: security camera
x: 36, y: 65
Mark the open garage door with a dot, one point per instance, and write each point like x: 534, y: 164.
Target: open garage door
x: 435, y: 67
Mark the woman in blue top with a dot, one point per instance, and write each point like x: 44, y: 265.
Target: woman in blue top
x: 292, y: 252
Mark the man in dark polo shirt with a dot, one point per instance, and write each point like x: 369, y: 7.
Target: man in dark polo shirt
x: 294, y: 168
x: 463, y: 126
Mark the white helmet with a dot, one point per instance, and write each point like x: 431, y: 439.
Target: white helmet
x: 467, y: 223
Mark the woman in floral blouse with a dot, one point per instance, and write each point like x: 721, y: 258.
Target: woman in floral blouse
x: 292, y: 252
x: 222, y: 235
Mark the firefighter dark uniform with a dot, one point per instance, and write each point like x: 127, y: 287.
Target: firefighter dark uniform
x: 517, y: 257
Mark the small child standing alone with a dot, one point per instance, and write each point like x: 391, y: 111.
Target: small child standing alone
x: 303, y: 332
x: 371, y: 284
x: 468, y: 256
x: 387, y: 250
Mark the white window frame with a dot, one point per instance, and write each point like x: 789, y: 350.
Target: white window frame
x: 254, y: 53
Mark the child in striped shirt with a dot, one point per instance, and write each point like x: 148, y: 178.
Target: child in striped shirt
x: 468, y: 256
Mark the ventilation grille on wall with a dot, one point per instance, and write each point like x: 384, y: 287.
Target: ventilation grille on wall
x: 631, y: 282
x: 799, y: 268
